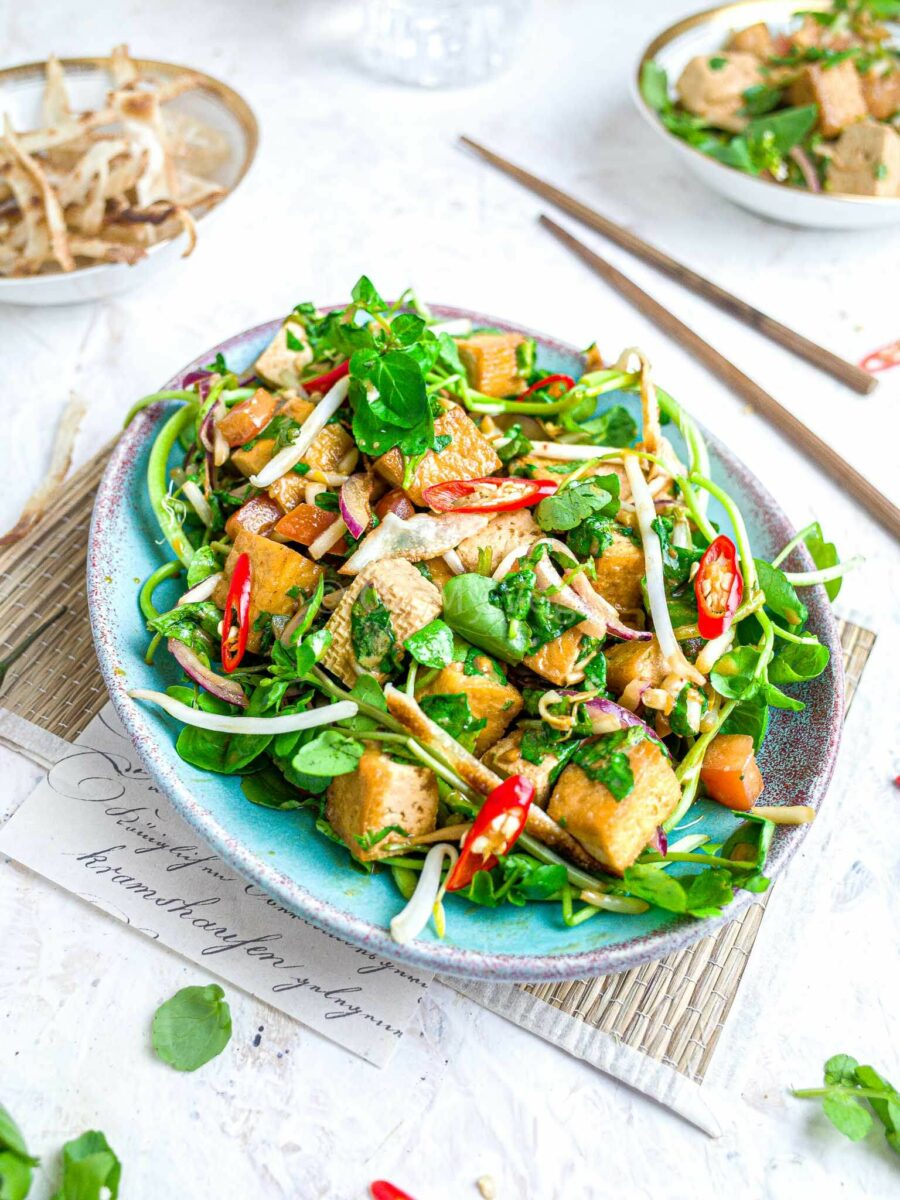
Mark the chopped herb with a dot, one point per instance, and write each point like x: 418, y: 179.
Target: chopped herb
x: 578, y: 500
x: 718, y: 63
x: 328, y: 501
x: 372, y: 633
x: 606, y: 761
x: 453, y: 714
x: 432, y: 646
x: 371, y: 838
x: 516, y: 446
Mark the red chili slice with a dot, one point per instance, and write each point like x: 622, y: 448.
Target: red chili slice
x: 322, y: 383
x: 487, y: 495
x: 882, y: 359
x: 718, y: 586
x: 495, y: 830
x: 548, y: 381
x: 236, y: 619
x: 382, y: 1190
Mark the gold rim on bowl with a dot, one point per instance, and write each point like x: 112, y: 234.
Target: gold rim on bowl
x: 674, y: 31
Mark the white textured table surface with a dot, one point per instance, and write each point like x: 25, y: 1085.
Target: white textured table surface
x: 356, y: 175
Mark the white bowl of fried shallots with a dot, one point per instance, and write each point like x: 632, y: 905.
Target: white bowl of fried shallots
x: 107, y: 167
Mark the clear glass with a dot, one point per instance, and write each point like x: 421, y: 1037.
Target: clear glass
x: 442, y: 43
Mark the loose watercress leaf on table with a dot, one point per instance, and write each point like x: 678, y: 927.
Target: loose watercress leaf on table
x: 15, y: 1162
x: 192, y: 1027
x: 11, y: 1139
x: 432, y: 646
x: 847, y: 1115
x: 89, y: 1165
x: 781, y: 597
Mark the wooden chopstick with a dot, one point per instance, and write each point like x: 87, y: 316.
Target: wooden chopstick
x: 840, y: 471
x: 848, y: 373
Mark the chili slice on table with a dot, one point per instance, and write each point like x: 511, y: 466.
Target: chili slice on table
x: 236, y: 618
x: 322, y: 383
x: 382, y: 1190
x: 487, y: 495
x: 550, y: 381
x: 882, y: 359
x: 718, y: 586
x: 494, y: 831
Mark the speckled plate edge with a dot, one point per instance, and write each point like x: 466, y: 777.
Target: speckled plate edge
x: 825, y: 706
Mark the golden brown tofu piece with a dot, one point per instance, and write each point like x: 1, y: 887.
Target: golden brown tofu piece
x: 505, y: 532
x: 412, y: 601
x: 620, y: 569
x: 274, y: 570
x: 438, y: 571
x: 712, y: 86
x: 243, y: 422
x: 881, y: 90
x: 282, y: 364
x: 489, y: 698
x: 866, y: 161
x: 289, y: 490
x: 468, y: 456
x: 492, y: 363
x: 627, y: 661
x: 616, y: 831
x: 380, y: 793
x: 836, y: 90
x: 505, y: 758
x: 259, y: 515
x: 328, y: 448
x: 755, y: 39
x: 558, y: 660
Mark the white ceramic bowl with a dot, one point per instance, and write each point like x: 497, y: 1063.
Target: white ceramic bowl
x: 705, y: 33
x: 88, y: 82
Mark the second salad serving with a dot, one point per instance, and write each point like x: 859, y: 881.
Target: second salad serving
x: 482, y: 628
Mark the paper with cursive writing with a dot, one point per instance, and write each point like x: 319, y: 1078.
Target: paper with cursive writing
x: 99, y: 827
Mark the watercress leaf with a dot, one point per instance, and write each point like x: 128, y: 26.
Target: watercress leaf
x: 469, y: 610
x: 655, y: 86
x: 750, y: 716
x: 847, y: 1115
x: 678, y: 718
x: 761, y: 98
x: 269, y: 789
x: 548, y: 620
x: 365, y: 294
x: 448, y: 355
x: 708, y: 892
x: 702, y: 894
x: 824, y: 554
x: 221, y: 753
x: 781, y: 597
x: 516, y: 445
x: 310, y: 651
x: 372, y: 632
x: 407, y: 328
x: 532, y: 880
x: 592, y: 537
x: 12, y: 1141
x: 578, y: 500
x: 192, y: 1027
x: 795, y: 663
x: 515, y: 593
x: 733, y: 675
x: 783, y: 129
x: 329, y: 753
x: 15, y: 1176
x: 401, y: 389
x: 841, y: 1069
x: 779, y: 699
x: 369, y: 691
x: 750, y: 842
x: 203, y: 564
x: 432, y: 646
x: 453, y: 714
x: 194, y: 624
x: 886, y: 1109
x: 656, y: 887
x: 91, y: 1170
x: 614, y: 427
x: 605, y: 760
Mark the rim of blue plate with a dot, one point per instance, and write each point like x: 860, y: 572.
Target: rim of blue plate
x: 826, y: 702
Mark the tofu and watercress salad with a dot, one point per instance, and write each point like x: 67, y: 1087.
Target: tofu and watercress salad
x: 484, y: 632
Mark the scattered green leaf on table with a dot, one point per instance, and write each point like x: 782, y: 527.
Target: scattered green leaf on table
x: 89, y: 1165
x: 192, y: 1027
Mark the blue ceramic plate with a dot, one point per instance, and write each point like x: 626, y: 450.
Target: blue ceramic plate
x: 282, y: 853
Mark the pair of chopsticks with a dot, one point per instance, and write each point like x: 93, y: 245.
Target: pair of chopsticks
x: 803, y: 438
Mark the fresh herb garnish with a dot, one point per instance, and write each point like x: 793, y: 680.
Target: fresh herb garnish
x: 851, y: 1094
x: 605, y: 760
x: 432, y: 646
x: 372, y: 633
x: 453, y: 714
x: 192, y: 1027
x: 90, y: 1169
x: 578, y: 500
x: 15, y: 1162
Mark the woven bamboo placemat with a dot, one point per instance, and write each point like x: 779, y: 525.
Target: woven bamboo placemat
x: 672, y: 1011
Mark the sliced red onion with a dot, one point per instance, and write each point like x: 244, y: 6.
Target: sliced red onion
x: 354, y: 503
x: 807, y: 170
x: 626, y: 718
x: 659, y: 842
x: 203, y: 379
x: 200, y: 591
x: 583, y: 587
x: 228, y: 690
x: 549, y: 579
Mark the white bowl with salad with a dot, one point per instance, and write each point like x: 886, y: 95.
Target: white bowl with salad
x: 791, y: 114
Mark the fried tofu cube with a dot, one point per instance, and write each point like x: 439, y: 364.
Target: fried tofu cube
x: 505, y: 532
x: 616, y: 831
x: 492, y: 363
x: 620, y: 569
x: 249, y: 462
x: 558, y: 660
x: 243, y: 422
x: 505, y: 758
x: 627, y: 661
x: 713, y: 85
x: 274, y: 571
x: 836, y: 90
x: 490, y: 700
x: 411, y: 600
x: 380, y: 793
x: 258, y: 515
x: 469, y: 455
x: 881, y: 90
x: 866, y: 161
x: 282, y: 362
x: 755, y: 39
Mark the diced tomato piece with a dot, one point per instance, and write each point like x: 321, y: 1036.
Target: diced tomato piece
x: 395, y: 501
x: 243, y: 422
x: 729, y: 772
x: 304, y: 523
x: 258, y: 515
